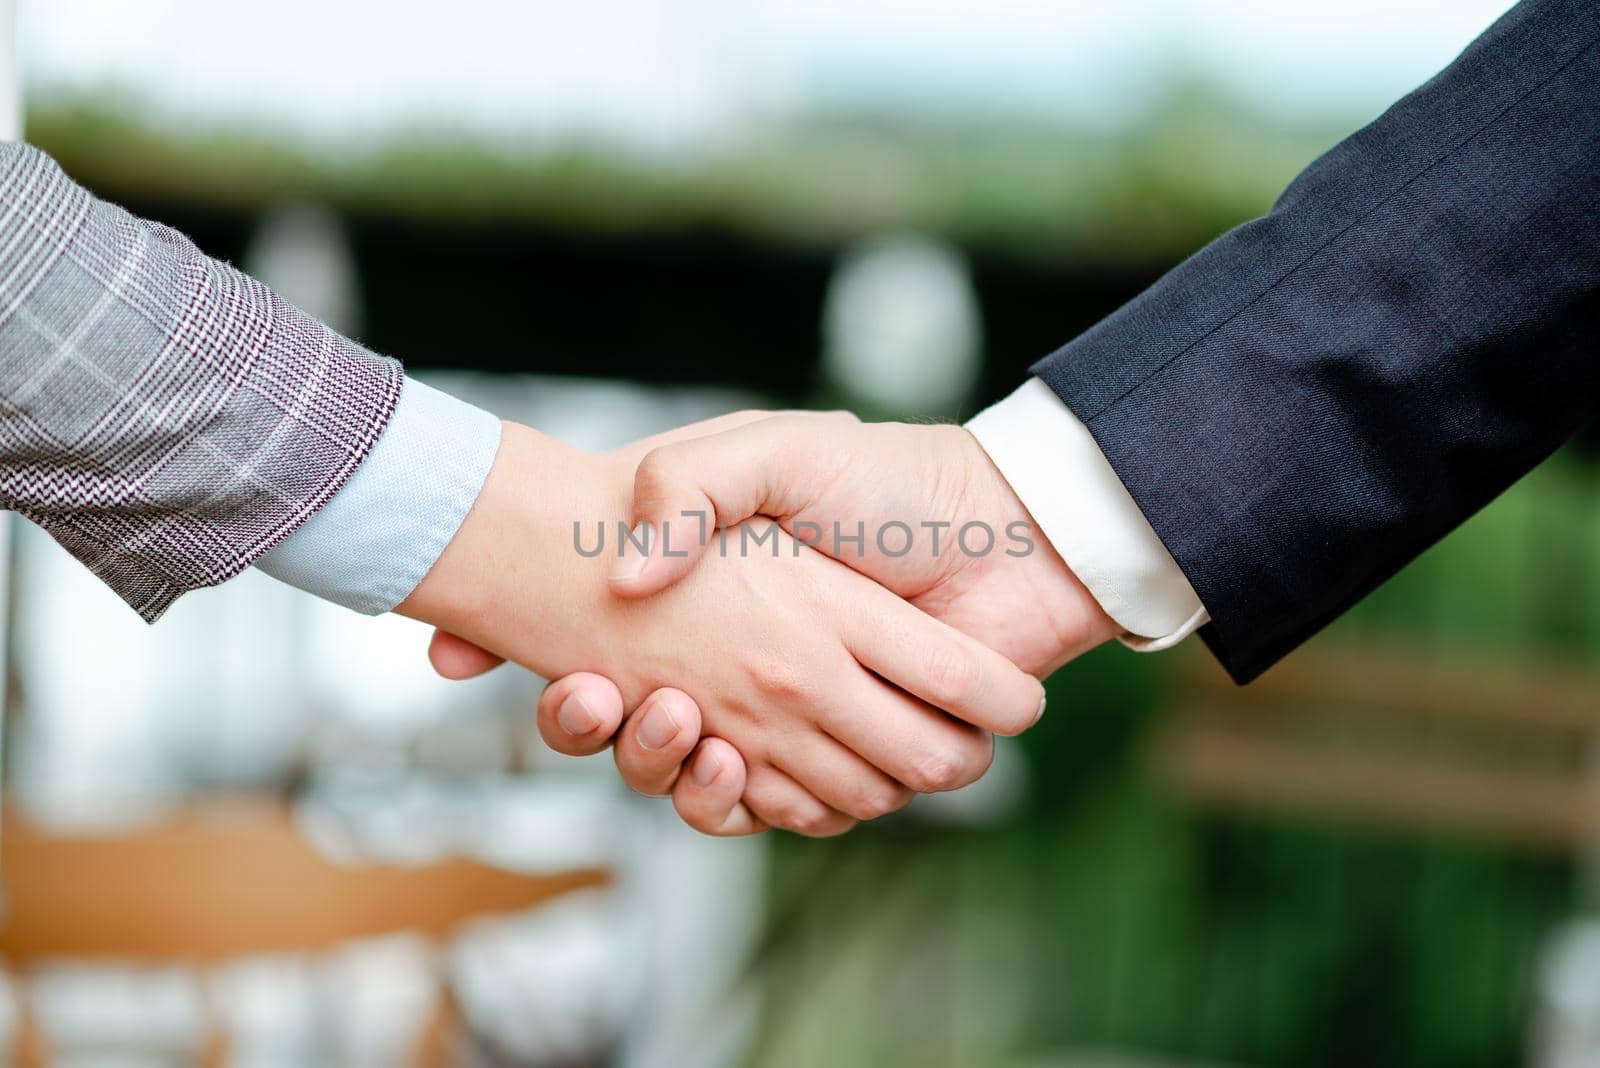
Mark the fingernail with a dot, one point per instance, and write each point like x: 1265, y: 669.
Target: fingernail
x: 631, y: 563
x: 575, y: 717
x: 706, y: 768
x: 658, y: 727
x: 1037, y: 716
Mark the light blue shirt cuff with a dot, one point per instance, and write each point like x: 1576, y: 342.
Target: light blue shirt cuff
x: 370, y: 545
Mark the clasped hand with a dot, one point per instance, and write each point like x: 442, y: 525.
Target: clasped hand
x: 803, y: 678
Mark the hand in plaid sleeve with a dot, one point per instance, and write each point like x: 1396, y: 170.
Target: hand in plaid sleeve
x: 838, y: 694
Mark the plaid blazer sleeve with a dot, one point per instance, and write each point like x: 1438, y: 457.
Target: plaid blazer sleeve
x: 163, y: 416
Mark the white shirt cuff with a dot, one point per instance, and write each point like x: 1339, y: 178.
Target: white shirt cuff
x: 370, y: 545
x: 1059, y: 473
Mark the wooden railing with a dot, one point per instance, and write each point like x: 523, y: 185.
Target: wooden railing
x: 1508, y: 750
x: 223, y: 881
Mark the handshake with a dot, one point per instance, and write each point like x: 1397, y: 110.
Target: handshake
x: 791, y: 620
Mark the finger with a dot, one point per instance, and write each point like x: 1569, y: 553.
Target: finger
x: 778, y: 801
x: 683, y: 491
x: 653, y: 743
x: 839, y: 778
x: 708, y: 796
x: 457, y: 658
x: 932, y: 660
x: 908, y: 740
x: 579, y: 714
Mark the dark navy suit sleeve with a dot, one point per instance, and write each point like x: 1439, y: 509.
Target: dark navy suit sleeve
x: 1312, y: 400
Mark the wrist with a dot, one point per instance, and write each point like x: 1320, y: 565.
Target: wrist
x: 1053, y: 463
x: 512, y: 579
x: 1035, y: 608
x: 1072, y: 617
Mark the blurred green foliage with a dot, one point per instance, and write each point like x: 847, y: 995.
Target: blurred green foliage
x: 1154, y: 192
x: 1109, y: 916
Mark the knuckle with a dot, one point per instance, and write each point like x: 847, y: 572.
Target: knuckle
x: 830, y: 825
x: 880, y: 801
x: 807, y: 818
x: 779, y: 678
x: 951, y: 767
x: 933, y: 771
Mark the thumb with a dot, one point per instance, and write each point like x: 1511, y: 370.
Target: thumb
x: 683, y: 492
x: 456, y: 658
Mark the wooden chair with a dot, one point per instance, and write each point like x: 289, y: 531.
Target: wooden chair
x: 1502, y: 750
x: 223, y: 881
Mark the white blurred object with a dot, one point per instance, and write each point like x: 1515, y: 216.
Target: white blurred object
x: 694, y: 906
x: 901, y: 326
x: 301, y: 251
x: 540, y: 823
x: 375, y: 999
x: 545, y: 824
x: 363, y: 1005
x: 1566, y: 1025
x: 9, y: 1011
x: 640, y: 74
x: 267, y: 1007
x: 101, y: 1016
x: 374, y: 671
x: 10, y: 74
x: 552, y: 986
x: 696, y: 75
x: 122, y: 717
x: 592, y: 413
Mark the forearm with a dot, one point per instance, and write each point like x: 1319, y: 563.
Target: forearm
x: 512, y: 580
x: 1311, y: 401
x: 165, y: 417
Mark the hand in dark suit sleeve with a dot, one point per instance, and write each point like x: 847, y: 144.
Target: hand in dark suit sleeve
x: 1312, y: 400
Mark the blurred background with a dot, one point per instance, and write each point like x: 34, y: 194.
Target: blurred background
x: 262, y: 833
